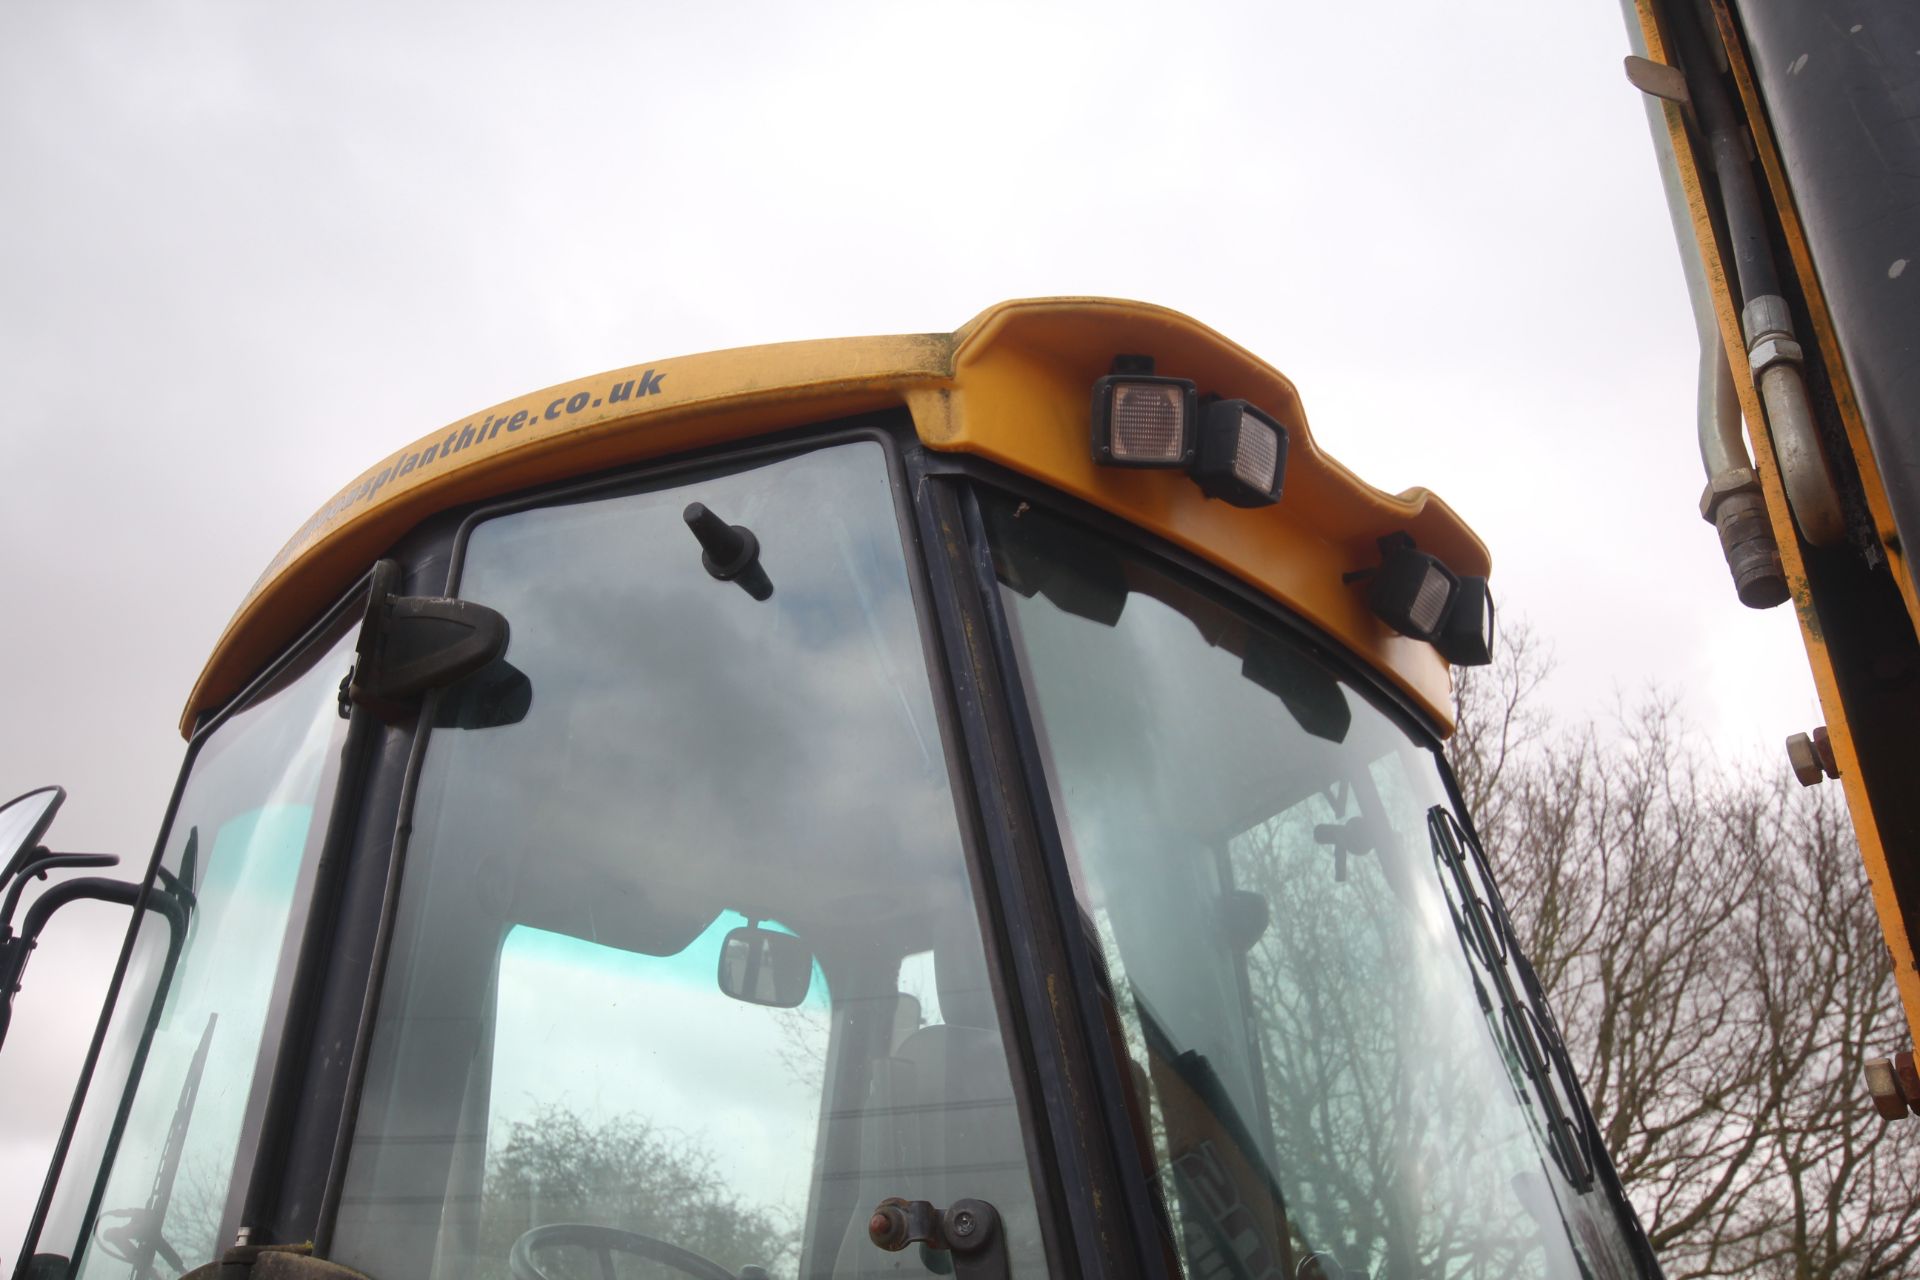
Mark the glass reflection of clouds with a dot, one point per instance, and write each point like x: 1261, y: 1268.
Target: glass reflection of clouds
x: 692, y: 759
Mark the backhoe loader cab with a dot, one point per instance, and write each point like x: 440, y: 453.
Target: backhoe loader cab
x: 960, y: 804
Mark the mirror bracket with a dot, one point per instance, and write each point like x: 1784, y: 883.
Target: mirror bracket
x: 969, y: 1230
x: 15, y: 949
x: 410, y: 644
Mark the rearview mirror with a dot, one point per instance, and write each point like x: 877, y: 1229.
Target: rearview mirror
x: 1244, y: 917
x: 23, y: 820
x: 760, y: 966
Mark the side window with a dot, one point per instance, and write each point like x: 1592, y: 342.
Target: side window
x: 1316, y: 1084
x: 189, y: 1037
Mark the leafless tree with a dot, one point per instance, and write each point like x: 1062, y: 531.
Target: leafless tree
x: 1714, y: 960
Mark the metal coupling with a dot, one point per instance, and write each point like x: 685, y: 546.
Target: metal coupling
x: 1767, y: 323
x: 1734, y: 505
x: 1775, y: 356
x: 1772, y: 350
x: 1767, y: 314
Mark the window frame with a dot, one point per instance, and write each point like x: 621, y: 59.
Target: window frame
x: 1028, y: 1028
x: 336, y: 798
x: 973, y: 476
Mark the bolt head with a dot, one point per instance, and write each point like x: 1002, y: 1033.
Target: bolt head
x: 963, y: 1223
x: 1805, y: 760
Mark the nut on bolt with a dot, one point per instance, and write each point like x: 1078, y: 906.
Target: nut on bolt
x: 1884, y: 1088
x: 1894, y: 1085
x: 1812, y: 758
x: 1772, y: 350
x: 1805, y: 760
x: 1724, y: 485
x: 1823, y: 749
x: 888, y: 1227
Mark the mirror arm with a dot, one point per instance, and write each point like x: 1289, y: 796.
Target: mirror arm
x: 15, y: 950
x: 35, y: 865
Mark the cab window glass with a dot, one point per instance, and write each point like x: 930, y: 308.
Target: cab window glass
x: 568, y: 1056
x: 1320, y: 1082
x: 188, y: 1045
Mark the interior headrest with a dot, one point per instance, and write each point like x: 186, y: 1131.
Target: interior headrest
x: 960, y: 973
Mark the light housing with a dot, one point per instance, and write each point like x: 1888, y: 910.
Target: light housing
x: 1466, y: 637
x: 1140, y: 420
x: 1412, y: 591
x: 1242, y: 455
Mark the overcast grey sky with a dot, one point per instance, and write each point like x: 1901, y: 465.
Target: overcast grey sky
x: 247, y: 249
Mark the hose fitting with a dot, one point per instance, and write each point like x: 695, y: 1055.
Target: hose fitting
x: 1733, y: 504
x: 1775, y: 356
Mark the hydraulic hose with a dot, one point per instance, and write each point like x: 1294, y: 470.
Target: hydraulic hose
x: 1774, y: 355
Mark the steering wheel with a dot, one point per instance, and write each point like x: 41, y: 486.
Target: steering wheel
x: 605, y: 1242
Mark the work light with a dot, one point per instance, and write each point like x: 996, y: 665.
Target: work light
x: 1242, y: 455
x: 1411, y: 591
x: 1466, y: 637
x: 1143, y: 421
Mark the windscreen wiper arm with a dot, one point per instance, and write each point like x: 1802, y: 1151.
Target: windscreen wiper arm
x: 141, y: 1236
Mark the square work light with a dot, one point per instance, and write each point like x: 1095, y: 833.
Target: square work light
x: 1242, y: 455
x: 1143, y: 421
x: 1466, y: 638
x: 1412, y: 592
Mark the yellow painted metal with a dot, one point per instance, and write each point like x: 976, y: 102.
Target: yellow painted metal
x: 1013, y: 386
x: 1872, y: 847
x: 1822, y: 316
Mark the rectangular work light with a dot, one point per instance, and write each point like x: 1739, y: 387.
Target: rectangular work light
x: 1412, y: 592
x: 1418, y: 596
x: 1466, y: 638
x: 1242, y: 455
x: 1144, y: 421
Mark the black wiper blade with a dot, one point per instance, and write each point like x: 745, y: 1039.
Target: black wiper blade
x: 1535, y: 1042
x: 140, y: 1236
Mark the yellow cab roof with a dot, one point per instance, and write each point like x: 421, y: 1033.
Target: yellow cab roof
x: 1012, y: 386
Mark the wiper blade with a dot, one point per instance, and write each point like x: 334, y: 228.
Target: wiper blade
x: 1483, y: 926
x: 140, y: 1236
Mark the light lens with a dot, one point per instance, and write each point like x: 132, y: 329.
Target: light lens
x: 1149, y: 422
x: 1143, y: 421
x: 1429, y: 604
x: 1412, y: 592
x: 1242, y: 457
x: 1256, y: 453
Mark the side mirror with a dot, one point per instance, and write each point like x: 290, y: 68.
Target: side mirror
x: 760, y: 966
x: 23, y: 820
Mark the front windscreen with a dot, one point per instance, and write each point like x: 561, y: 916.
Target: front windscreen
x: 686, y: 976
x: 1334, y: 1068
